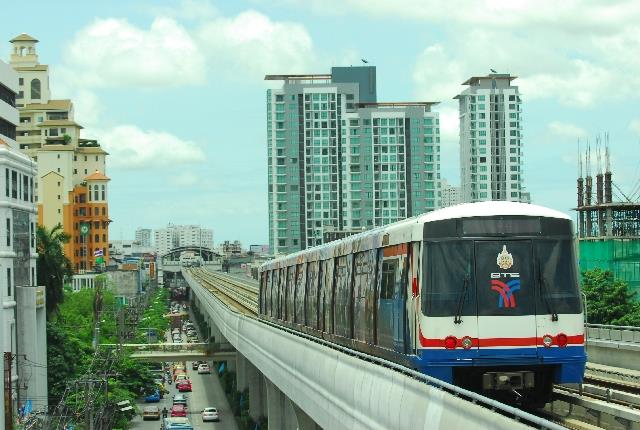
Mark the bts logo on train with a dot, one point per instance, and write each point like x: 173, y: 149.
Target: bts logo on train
x: 505, y: 289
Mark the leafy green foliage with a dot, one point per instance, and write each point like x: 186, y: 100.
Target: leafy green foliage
x: 53, y: 265
x: 609, y: 300
x: 154, y: 317
x: 70, y: 351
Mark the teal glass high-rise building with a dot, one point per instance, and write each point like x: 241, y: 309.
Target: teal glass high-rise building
x: 340, y: 160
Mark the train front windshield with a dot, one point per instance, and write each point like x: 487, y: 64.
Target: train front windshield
x: 505, y: 267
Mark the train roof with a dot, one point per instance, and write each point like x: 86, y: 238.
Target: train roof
x: 490, y: 208
x: 373, y: 238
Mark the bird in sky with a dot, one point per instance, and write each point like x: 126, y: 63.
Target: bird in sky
x: 493, y: 71
x: 364, y: 61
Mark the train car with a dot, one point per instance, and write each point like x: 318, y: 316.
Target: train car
x: 483, y: 295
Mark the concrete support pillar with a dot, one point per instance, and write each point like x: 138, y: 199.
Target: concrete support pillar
x: 242, y: 380
x: 231, y: 365
x: 280, y: 413
x: 257, y: 393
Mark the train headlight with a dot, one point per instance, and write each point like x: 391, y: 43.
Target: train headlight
x: 547, y: 340
x: 467, y: 342
x: 562, y: 340
x: 450, y: 342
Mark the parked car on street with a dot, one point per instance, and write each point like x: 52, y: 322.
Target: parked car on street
x: 178, y: 411
x: 153, y: 397
x: 180, y: 399
x: 151, y: 413
x: 183, y: 385
x: 210, y: 414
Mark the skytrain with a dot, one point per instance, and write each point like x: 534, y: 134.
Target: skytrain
x: 482, y: 295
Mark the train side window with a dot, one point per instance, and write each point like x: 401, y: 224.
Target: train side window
x: 301, y: 280
x: 273, y: 294
x: 282, y: 284
x: 327, y: 296
x: 263, y: 285
x: 364, y: 282
x: 389, y: 268
x: 290, y: 293
x: 387, y: 318
x: 343, y: 296
x: 311, y: 297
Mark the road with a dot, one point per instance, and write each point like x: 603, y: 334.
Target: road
x: 207, y: 391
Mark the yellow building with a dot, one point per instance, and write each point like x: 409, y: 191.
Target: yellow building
x: 68, y: 164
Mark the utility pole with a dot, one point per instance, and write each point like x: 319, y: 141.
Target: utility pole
x: 8, y: 401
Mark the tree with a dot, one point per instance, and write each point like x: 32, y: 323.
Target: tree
x: 609, y: 300
x: 53, y: 265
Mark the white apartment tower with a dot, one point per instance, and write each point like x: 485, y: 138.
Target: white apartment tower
x: 491, y: 156
x: 451, y: 195
x: 143, y: 236
x: 175, y: 236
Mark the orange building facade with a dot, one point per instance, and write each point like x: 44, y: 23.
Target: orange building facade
x: 87, y: 205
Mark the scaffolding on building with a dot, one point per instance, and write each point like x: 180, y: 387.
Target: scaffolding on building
x: 608, y: 231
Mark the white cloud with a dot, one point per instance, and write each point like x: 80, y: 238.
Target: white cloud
x: 635, y: 126
x: 114, y: 53
x: 133, y: 148
x: 252, y: 45
x: 184, y: 179
x: 566, y: 129
x: 578, y: 52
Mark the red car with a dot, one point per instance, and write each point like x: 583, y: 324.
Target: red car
x: 178, y: 411
x: 184, y: 385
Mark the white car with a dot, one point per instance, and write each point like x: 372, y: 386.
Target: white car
x: 203, y: 368
x: 210, y: 414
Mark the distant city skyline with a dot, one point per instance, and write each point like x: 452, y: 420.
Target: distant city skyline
x: 184, y: 122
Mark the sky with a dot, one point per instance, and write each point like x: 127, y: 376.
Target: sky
x: 175, y: 90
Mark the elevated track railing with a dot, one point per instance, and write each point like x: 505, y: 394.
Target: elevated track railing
x: 613, y: 333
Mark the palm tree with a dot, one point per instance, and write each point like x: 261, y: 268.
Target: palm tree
x: 53, y: 265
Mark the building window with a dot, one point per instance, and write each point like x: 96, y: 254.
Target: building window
x: 9, y: 281
x: 20, y: 81
x: 33, y: 236
x: 14, y: 184
x: 8, y: 231
x: 96, y: 193
x: 35, y: 89
x: 6, y: 181
x: 103, y: 193
x: 97, y: 238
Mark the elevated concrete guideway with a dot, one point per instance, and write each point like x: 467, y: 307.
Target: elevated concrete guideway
x: 305, y: 383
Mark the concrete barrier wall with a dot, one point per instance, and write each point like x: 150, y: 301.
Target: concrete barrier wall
x: 340, y: 391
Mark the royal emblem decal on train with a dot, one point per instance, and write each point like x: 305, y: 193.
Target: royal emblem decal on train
x: 504, y: 260
x: 505, y: 288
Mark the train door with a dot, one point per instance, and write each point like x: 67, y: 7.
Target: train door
x: 506, y: 297
x: 392, y: 312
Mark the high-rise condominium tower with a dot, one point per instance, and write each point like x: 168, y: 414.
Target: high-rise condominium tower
x: 340, y: 160
x: 491, y: 140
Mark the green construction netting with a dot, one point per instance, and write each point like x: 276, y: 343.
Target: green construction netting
x: 621, y: 256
